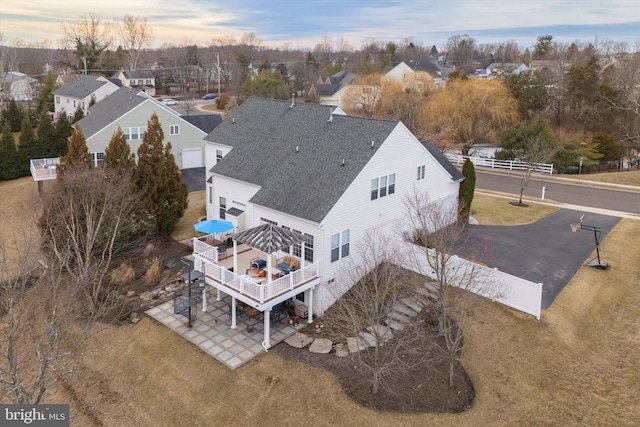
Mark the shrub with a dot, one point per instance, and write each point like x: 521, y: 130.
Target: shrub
x: 154, y: 272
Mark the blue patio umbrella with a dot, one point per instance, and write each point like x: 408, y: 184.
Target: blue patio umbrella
x: 213, y: 226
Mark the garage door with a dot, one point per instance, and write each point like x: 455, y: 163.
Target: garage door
x: 191, y: 158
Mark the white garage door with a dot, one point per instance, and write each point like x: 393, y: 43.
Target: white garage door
x: 191, y: 158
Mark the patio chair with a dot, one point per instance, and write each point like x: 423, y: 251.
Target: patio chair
x: 239, y: 311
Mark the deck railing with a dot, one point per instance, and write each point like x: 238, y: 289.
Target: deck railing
x: 260, y: 292
x: 44, y: 169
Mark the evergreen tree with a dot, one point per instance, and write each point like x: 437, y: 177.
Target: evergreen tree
x: 9, y: 161
x: 118, y: 155
x: 28, y: 147
x: 46, y: 140
x: 45, y: 95
x: 77, y: 156
x: 13, y: 115
x: 159, y: 179
x: 467, y: 188
x: 78, y: 114
x: 63, y: 132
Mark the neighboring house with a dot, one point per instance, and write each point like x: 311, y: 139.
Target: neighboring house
x: 420, y: 74
x: 499, y: 69
x: 19, y: 86
x: 544, y: 64
x: 137, y: 79
x: 81, y: 92
x: 311, y: 169
x: 130, y: 110
x: 331, y: 90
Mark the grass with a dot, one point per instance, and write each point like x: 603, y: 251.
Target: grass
x: 195, y: 211
x: 577, y: 366
x: 624, y: 178
x: 211, y: 107
x: 489, y: 210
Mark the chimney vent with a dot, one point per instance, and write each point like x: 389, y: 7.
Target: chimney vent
x: 330, y: 113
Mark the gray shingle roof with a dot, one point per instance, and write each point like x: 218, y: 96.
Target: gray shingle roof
x: 454, y: 173
x: 338, y: 81
x: 305, y: 183
x: 81, y: 87
x: 110, y: 109
x: 137, y: 74
x: 204, y: 122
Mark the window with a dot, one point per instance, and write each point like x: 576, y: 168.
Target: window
x: 297, y: 248
x: 383, y: 186
x: 134, y: 133
x: 421, y: 169
x: 139, y: 82
x: 339, y: 245
x: 57, y: 100
x: 268, y: 221
x: 97, y: 158
x: 148, y: 82
x: 218, y: 155
x: 174, y: 130
x: 308, y: 248
x: 223, y: 207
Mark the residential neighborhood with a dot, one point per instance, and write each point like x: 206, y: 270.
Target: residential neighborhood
x: 214, y: 215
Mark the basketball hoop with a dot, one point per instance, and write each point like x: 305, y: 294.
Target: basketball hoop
x: 602, y: 265
x: 575, y: 227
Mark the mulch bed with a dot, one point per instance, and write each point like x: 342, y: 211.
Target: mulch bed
x: 419, y: 389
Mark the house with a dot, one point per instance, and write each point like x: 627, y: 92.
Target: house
x: 331, y: 90
x: 311, y: 170
x: 19, y: 86
x: 421, y: 73
x: 82, y: 92
x: 499, y: 69
x: 130, y: 110
x: 138, y: 79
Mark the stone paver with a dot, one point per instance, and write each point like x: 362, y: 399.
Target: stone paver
x: 384, y: 332
x: 412, y: 303
x: 405, y: 309
x: 299, y: 340
x: 395, y: 325
x: 341, y: 350
x: 355, y: 344
x: 212, y: 331
x: 321, y: 345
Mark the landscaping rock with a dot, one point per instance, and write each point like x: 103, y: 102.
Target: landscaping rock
x: 341, y: 350
x: 135, y: 320
x: 399, y: 317
x: 355, y: 344
x: 395, y: 325
x: 368, y: 338
x: 404, y: 309
x: 299, y: 340
x: 412, y: 303
x: 131, y: 294
x: 321, y: 345
x: 384, y: 332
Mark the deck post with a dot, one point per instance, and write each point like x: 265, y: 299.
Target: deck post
x: 266, y: 317
x: 310, y: 315
x: 204, y: 298
x: 218, y: 294
x: 233, y: 312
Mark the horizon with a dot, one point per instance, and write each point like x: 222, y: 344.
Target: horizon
x: 356, y: 22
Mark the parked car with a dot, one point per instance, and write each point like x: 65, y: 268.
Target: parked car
x: 210, y: 96
x: 170, y: 102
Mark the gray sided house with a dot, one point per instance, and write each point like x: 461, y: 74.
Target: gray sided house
x: 130, y: 110
x: 331, y: 177
x: 80, y: 92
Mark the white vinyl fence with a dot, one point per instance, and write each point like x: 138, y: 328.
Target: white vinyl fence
x: 504, y: 288
x: 501, y: 164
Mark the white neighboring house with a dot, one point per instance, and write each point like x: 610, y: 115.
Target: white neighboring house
x: 80, y: 91
x: 130, y: 110
x: 311, y: 169
x: 137, y: 79
x: 19, y: 86
x: 331, y: 90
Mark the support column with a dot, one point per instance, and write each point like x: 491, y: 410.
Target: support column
x: 235, y: 258
x: 218, y: 298
x: 204, y: 298
x: 233, y: 312
x: 267, y: 324
x: 310, y: 316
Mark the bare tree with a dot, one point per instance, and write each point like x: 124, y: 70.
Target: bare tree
x: 89, y: 36
x: 436, y: 234
x: 135, y: 34
x: 91, y: 217
x: 360, y: 312
x: 42, y: 333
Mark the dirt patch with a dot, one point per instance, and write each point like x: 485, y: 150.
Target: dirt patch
x: 419, y: 389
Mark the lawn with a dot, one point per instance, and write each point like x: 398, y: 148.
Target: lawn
x: 578, y: 365
x: 490, y: 210
x: 195, y: 211
x: 624, y: 178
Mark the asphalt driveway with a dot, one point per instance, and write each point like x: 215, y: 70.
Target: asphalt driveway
x: 546, y: 251
x: 194, y: 178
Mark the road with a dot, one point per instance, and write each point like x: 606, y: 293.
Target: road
x: 601, y: 198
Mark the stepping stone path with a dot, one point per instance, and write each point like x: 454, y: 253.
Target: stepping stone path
x: 355, y: 344
x: 341, y: 350
x: 299, y: 340
x: 368, y: 338
x: 381, y: 331
x: 321, y: 345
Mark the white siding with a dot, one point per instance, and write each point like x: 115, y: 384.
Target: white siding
x: 236, y: 193
x: 401, y: 154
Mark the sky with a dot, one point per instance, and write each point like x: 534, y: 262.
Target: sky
x: 303, y: 23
